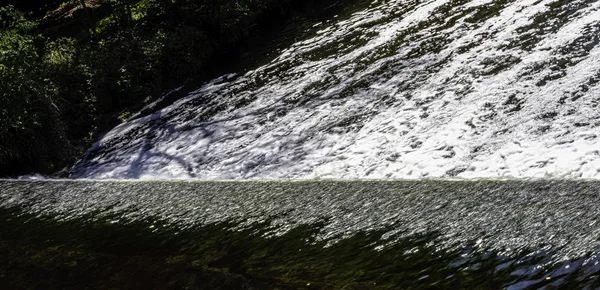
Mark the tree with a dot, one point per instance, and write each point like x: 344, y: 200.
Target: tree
x: 88, y: 16
x: 30, y: 129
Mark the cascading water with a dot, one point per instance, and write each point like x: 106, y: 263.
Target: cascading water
x: 399, y: 89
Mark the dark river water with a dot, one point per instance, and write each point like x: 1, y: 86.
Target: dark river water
x: 366, y: 234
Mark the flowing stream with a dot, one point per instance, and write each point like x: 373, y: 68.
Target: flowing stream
x: 389, y: 89
x: 397, y: 89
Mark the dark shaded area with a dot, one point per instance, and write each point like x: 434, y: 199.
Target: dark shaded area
x: 36, y: 8
x: 101, y: 252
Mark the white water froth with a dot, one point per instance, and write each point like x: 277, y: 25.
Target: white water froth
x: 402, y: 89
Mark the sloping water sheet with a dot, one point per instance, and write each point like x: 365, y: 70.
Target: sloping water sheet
x: 395, y: 89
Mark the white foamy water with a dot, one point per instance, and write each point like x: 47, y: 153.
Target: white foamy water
x: 401, y: 89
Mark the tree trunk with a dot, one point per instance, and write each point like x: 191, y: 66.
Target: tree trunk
x: 88, y: 15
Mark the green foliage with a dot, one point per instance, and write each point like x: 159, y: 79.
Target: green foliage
x: 28, y: 114
x: 71, y: 75
x: 18, y: 58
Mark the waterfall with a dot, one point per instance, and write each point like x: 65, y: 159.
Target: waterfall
x: 396, y: 89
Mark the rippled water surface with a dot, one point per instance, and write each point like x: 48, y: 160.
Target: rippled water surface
x: 330, y: 234
x: 390, y: 89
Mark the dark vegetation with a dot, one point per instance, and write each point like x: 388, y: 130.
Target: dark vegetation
x: 98, y: 253
x: 72, y: 70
